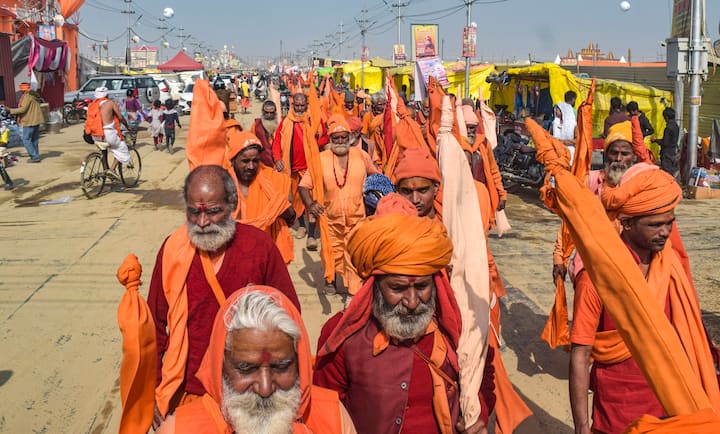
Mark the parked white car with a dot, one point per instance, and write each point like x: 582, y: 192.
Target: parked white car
x: 186, y: 98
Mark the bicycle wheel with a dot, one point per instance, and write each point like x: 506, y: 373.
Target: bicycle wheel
x: 92, y: 175
x: 130, y: 173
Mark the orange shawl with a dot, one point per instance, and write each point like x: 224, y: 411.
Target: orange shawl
x: 138, y: 368
x: 267, y: 196
x: 312, y: 415
x: 677, y: 374
x: 556, y: 330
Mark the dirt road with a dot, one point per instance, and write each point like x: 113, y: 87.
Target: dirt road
x: 59, y: 341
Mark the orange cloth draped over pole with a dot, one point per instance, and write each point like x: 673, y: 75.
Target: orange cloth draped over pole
x: 138, y: 368
x: 69, y: 7
x: 206, y: 134
x: 312, y: 156
x: 644, y: 327
x: 556, y: 330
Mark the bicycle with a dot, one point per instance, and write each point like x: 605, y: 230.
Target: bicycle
x: 94, y: 171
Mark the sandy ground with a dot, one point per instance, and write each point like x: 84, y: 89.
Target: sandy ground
x: 59, y: 341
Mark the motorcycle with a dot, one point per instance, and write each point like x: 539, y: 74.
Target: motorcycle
x: 285, y: 100
x: 516, y: 161
x: 76, y: 111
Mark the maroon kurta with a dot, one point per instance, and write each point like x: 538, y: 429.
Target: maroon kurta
x: 388, y: 393
x: 251, y: 258
x: 266, y: 156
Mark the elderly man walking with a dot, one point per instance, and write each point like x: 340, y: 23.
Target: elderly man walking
x: 391, y: 355
x: 198, y: 266
x: 257, y: 373
x: 344, y: 169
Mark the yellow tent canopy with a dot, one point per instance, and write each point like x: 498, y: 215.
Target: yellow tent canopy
x: 353, y: 71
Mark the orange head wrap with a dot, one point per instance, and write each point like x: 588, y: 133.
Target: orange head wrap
x: 417, y: 162
x: 399, y: 244
x: 238, y: 141
x: 469, y: 115
x: 643, y: 190
x: 619, y: 131
x: 355, y: 123
x: 210, y: 372
x: 24, y: 86
x: 393, y: 203
x: 337, y: 124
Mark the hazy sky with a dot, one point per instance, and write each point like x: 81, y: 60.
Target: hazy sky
x: 506, y: 29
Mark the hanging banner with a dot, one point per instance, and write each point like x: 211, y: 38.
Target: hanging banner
x: 469, y: 41
x: 425, y: 38
x: 399, y: 56
x: 682, y: 17
x: 46, y: 32
x: 432, y: 66
x: 365, y: 54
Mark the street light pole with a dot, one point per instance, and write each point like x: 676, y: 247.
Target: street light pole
x: 695, y: 76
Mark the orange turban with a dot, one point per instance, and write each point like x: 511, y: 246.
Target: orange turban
x: 644, y: 190
x: 393, y: 203
x: 399, y: 244
x: 619, y: 131
x: 24, y: 86
x: 469, y: 115
x: 355, y: 123
x: 417, y: 162
x: 238, y: 141
x: 337, y: 124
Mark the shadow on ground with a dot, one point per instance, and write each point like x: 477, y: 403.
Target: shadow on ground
x: 521, y: 328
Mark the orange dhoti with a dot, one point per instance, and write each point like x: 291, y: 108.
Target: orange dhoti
x: 343, y: 205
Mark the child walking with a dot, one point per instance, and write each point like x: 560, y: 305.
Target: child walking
x: 171, y: 117
x: 156, y: 123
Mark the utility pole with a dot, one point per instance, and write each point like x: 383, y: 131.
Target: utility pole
x: 342, y: 35
x: 363, y: 24
x: 397, y: 5
x: 128, y: 11
x: 696, y: 48
x: 468, y: 5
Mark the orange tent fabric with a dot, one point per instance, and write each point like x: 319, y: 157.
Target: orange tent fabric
x: 556, y: 331
x: 139, y: 363
x: 69, y: 7
x: 267, y: 196
x: 206, y: 136
x: 653, y: 342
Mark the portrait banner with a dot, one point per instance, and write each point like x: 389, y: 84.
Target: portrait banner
x: 424, y: 37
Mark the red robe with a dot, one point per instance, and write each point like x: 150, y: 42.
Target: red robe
x: 251, y: 257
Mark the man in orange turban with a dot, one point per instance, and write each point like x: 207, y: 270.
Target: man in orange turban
x: 197, y: 267
x: 262, y: 192
x: 344, y: 169
x: 643, y: 202
x: 396, y: 342
x: 257, y: 372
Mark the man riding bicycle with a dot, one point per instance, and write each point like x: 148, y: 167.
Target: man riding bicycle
x: 103, y: 123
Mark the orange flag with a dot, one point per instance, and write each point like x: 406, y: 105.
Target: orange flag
x: 206, y: 136
x: 556, y: 330
x: 138, y: 369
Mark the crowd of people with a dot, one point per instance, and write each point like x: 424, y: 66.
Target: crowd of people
x: 399, y: 199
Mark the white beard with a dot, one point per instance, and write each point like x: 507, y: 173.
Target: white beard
x: 395, y: 320
x: 249, y: 413
x: 212, y: 237
x: 614, y: 172
x: 270, y: 126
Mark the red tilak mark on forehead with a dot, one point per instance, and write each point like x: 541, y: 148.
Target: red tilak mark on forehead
x: 266, y: 357
x: 202, y: 207
x: 412, y: 280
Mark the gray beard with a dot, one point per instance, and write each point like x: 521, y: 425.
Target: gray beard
x: 614, y: 172
x: 212, y: 237
x: 270, y: 126
x: 249, y: 413
x: 396, y: 320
